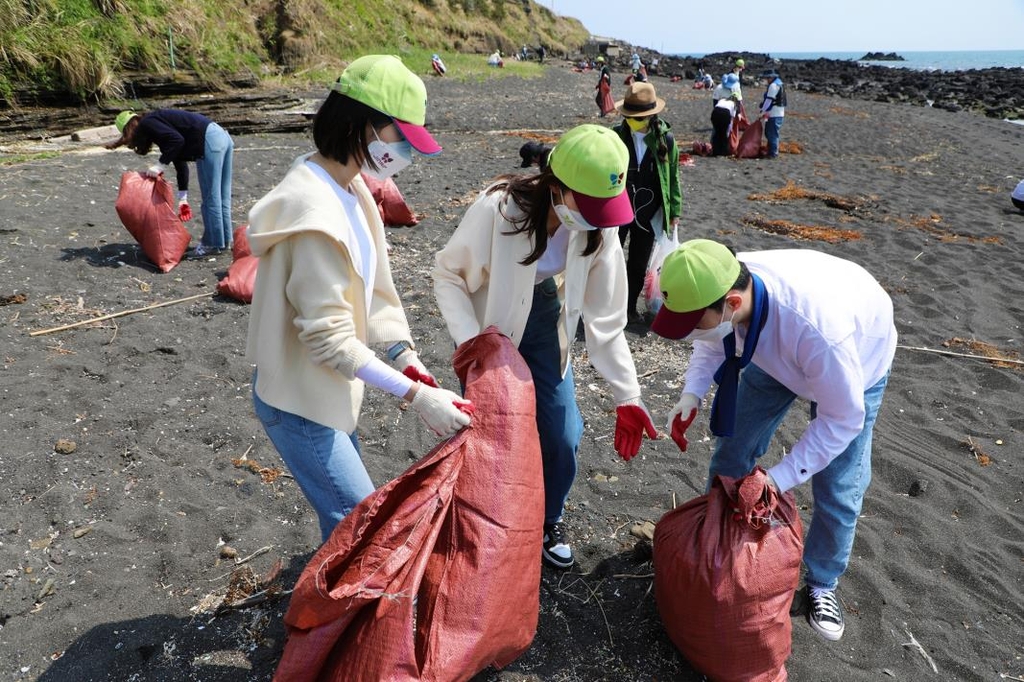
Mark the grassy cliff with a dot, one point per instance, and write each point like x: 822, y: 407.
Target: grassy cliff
x: 86, y: 49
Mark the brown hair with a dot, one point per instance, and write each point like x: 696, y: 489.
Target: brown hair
x: 532, y: 194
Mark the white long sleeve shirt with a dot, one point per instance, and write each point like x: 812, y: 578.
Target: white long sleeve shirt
x: 1018, y: 191
x: 770, y: 96
x: 829, y: 337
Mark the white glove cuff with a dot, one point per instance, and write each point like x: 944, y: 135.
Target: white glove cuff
x: 406, y: 359
x: 182, y: 196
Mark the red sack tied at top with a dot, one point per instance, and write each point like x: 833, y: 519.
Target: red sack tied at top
x: 725, y: 568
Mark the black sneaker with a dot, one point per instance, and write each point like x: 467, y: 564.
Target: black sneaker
x: 825, y: 613
x: 555, y: 550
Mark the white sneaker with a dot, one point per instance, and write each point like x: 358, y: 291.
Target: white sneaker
x: 825, y: 614
x: 556, y: 550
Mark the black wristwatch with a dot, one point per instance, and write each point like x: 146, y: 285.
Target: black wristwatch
x: 397, y: 349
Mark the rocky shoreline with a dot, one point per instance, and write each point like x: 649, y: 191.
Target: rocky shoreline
x: 994, y: 92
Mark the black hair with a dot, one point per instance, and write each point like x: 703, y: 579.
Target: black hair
x: 339, y: 128
x: 742, y: 282
x: 532, y: 194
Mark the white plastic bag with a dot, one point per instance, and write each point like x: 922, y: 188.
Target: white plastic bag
x: 664, y: 244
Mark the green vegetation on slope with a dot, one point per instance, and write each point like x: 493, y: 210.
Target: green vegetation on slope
x: 86, y: 48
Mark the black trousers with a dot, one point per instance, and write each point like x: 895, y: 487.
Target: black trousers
x: 641, y: 243
x: 720, y: 119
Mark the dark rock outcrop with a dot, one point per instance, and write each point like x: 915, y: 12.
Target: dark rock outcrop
x: 882, y: 57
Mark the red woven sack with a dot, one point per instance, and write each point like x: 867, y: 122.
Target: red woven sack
x: 725, y: 568
x: 749, y: 146
x: 605, y: 101
x: 701, y: 148
x: 739, y: 125
x: 241, y: 278
x: 390, y: 202
x: 436, y: 575
x: 146, y: 207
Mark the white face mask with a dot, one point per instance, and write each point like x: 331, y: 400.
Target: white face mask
x: 390, y: 157
x: 717, y: 333
x: 572, y: 220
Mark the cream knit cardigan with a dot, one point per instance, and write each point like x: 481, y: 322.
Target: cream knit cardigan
x: 479, y: 282
x: 309, y: 326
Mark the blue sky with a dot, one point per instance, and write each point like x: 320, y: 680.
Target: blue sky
x: 683, y: 26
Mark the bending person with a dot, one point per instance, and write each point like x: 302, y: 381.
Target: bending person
x: 184, y: 136
x: 767, y: 327
x: 530, y: 257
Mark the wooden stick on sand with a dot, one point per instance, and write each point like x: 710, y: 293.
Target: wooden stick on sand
x: 962, y: 355
x: 40, y: 332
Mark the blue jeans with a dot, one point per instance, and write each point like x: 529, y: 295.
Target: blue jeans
x: 325, y: 462
x: 771, y: 131
x: 558, y: 417
x: 838, y: 489
x: 214, y: 171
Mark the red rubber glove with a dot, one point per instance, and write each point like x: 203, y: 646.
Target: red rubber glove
x: 688, y: 404
x: 417, y: 375
x: 184, y: 212
x: 631, y: 421
x: 408, y: 363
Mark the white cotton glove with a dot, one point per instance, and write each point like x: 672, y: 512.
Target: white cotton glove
x: 680, y: 418
x: 155, y: 171
x: 408, y: 363
x: 443, y: 411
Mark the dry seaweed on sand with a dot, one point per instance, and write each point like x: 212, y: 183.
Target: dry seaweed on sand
x: 788, y: 228
x: 793, y: 192
x: 1000, y: 358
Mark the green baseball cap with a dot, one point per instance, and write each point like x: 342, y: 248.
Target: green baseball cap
x: 592, y: 161
x: 695, y: 275
x: 383, y: 82
x: 122, y: 120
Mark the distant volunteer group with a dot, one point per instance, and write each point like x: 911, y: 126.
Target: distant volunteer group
x: 535, y: 255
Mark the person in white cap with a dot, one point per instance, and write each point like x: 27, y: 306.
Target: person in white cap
x: 1017, y: 195
x: 534, y: 255
x: 768, y: 327
x: 324, y: 291
x: 773, y: 110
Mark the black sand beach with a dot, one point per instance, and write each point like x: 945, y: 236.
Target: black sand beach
x: 135, y: 480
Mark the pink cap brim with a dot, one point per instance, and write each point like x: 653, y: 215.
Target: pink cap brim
x: 610, y: 212
x: 672, y: 325
x: 418, y: 137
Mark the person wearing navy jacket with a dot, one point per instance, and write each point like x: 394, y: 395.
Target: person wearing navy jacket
x: 183, y: 136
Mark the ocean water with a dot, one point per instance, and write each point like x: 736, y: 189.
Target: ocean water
x: 927, y: 61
